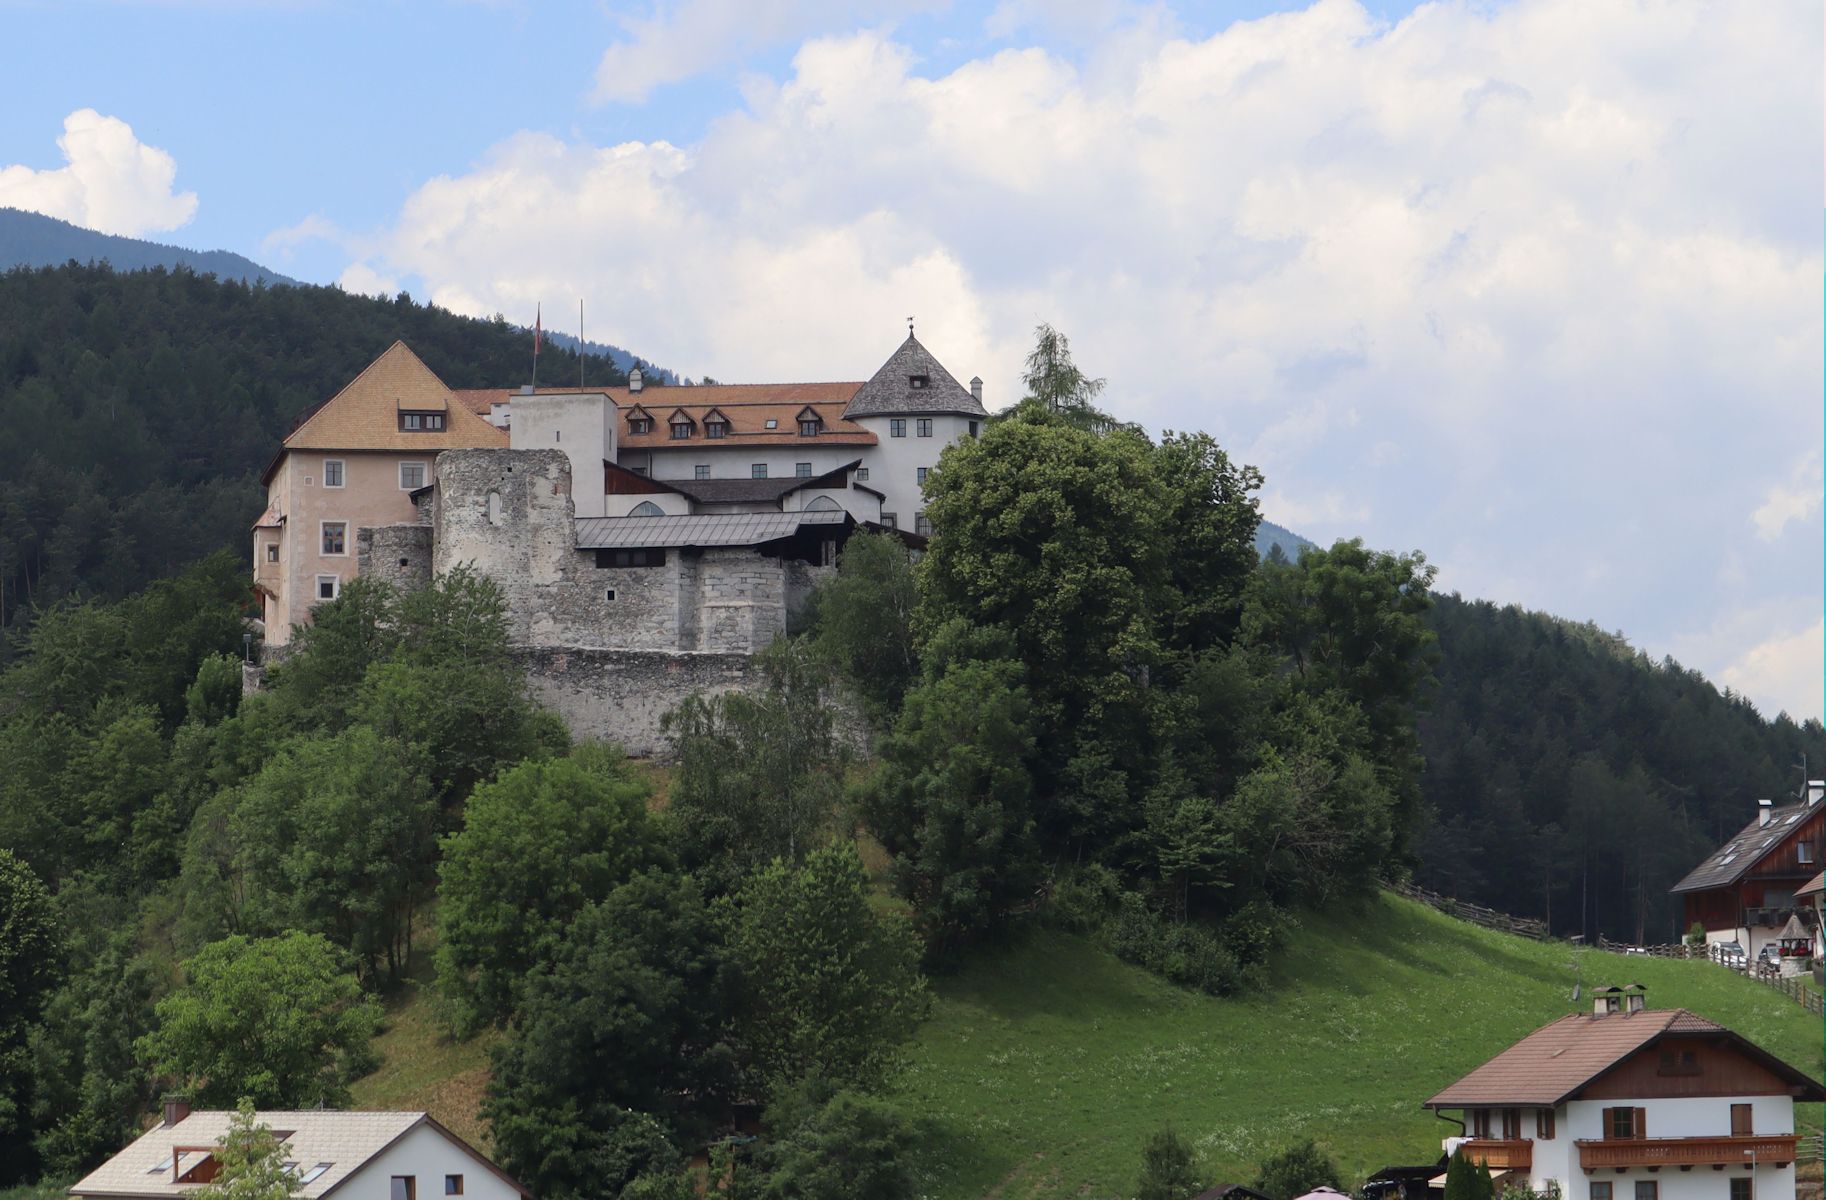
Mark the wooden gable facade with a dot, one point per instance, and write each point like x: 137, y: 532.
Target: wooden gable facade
x: 1750, y: 882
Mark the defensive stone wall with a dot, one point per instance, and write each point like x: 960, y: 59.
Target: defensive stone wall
x: 399, y: 555
x: 620, y: 695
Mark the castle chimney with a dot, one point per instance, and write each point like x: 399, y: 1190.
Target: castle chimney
x: 176, y: 1109
x: 976, y: 388
x: 1816, y: 791
x: 1765, y: 811
x: 634, y: 380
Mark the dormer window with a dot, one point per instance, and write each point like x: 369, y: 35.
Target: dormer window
x: 639, y: 425
x: 919, y: 382
x: 681, y: 430
x: 421, y: 422
x: 810, y: 423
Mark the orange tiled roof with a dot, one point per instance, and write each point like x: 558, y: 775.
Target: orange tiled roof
x: 1557, y: 1060
x: 364, y: 415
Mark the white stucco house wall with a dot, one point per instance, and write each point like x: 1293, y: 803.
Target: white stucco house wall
x: 1632, y: 1103
x: 348, y: 1155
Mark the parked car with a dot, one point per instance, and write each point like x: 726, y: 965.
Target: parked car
x: 1732, y: 955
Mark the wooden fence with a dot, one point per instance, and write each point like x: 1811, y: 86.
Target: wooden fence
x: 1795, y: 987
x: 1476, y: 914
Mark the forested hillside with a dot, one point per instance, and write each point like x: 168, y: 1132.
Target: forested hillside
x: 29, y: 239
x: 1571, y: 777
x: 137, y: 410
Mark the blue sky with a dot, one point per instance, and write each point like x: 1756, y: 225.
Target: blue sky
x: 1534, y: 286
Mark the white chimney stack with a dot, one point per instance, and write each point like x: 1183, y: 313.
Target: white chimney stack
x: 1765, y: 811
x: 1816, y: 791
x: 634, y: 380
x: 976, y: 388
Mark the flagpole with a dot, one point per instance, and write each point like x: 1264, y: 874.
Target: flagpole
x: 581, y: 348
x: 538, y: 320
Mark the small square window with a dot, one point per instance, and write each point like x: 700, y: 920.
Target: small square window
x: 329, y: 587
x: 681, y: 430
x: 1741, y: 1188
x: 1600, y: 1190
x: 335, y: 537
x: 920, y: 474
x: 862, y: 474
x: 332, y: 472
x: 921, y: 525
x: 919, y: 382
x: 809, y: 428
x: 923, y: 427
x: 421, y: 422
x: 802, y: 470
x: 1646, y: 1189
x: 897, y: 427
x: 638, y: 426
x: 701, y: 471
x: 973, y: 429
x: 272, y: 552
x: 311, y: 1175
x: 453, y: 1185
x: 405, y: 1187
x: 890, y: 521
x: 411, y: 476
x: 757, y: 471
x: 770, y: 423
x: 715, y: 429
x: 1805, y: 850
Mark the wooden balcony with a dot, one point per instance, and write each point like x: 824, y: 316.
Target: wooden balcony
x: 1687, y: 1153
x: 1499, y: 1154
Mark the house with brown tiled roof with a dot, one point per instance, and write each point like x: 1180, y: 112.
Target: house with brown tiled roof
x: 347, y: 1155
x: 1746, y: 890
x: 1631, y: 1103
x: 352, y: 462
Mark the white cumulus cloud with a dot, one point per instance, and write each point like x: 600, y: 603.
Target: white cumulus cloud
x: 1524, y: 285
x: 1783, y: 673
x: 1796, y: 500
x: 110, y: 181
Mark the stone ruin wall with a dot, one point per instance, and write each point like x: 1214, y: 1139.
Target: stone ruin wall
x: 609, y: 668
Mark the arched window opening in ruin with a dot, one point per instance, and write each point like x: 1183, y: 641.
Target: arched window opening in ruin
x: 494, y: 508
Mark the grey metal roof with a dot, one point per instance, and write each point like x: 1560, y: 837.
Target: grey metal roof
x: 733, y: 529
x: 891, y: 391
x: 1756, y: 841
x: 735, y: 491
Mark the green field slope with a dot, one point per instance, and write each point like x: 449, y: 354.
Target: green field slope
x: 1044, y: 1066
x: 1042, y: 1071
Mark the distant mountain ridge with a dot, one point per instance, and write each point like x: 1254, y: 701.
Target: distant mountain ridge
x: 1268, y: 535
x: 29, y: 239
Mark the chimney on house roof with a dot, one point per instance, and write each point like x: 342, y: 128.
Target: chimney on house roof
x: 526, y: 389
x: 1765, y: 811
x: 176, y: 1109
x: 1816, y: 791
x: 976, y: 388
x: 1630, y: 998
x: 634, y: 380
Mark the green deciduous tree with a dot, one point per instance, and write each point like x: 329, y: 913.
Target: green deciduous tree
x: 30, y: 958
x: 847, y: 1147
x: 953, y: 800
x: 253, y: 1164
x: 863, y: 619
x: 280, y: 1020
x: 825, y: 983
x: 618, y: 1046
x: 1169, y: 1169
x: 1297, y: 1170
x: 538, y: 844
x: 759, y: 773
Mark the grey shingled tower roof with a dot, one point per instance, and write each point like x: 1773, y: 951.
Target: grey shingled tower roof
x: 891, y: 392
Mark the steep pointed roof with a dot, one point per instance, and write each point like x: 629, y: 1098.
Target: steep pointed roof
x: 893, y: 392
x: 364, y: 415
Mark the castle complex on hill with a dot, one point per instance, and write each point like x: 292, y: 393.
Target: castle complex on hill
x: 647, y: 540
